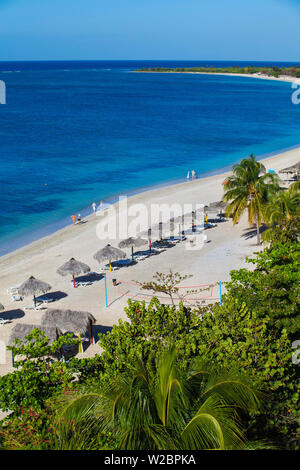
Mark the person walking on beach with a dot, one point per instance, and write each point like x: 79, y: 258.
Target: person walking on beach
x: 79, y: 219
x: 193, y: 174
x: 188, y: 176
x: 74, y: 219
x: 100, y: 206
x: 94, y: 206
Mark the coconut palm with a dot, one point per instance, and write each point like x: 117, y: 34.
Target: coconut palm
x: 280, y: 209
x: 295, y: 187
x: 161, y: 407
x: 249, y: 188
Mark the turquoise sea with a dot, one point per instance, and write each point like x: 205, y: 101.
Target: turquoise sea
x: 75, y: 132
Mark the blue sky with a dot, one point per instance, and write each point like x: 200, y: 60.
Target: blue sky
x: 150, y: 29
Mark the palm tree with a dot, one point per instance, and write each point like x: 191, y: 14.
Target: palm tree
x: 295, y: 187
x: 160, y: 407
x: 249, y: 188
x: 280, y: 209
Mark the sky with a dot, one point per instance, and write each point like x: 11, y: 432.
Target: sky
x: 150, y: 29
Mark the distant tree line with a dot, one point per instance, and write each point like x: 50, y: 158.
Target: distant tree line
x: 274, y: 71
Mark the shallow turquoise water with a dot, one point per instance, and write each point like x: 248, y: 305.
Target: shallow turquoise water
x: 75, y: 132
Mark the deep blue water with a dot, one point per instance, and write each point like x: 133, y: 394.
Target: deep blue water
x: 75, y: 132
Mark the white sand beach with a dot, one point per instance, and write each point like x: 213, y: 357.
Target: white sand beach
x: 280, y: 78
x: 225, y: 249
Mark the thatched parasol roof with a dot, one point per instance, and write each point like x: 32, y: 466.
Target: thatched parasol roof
x: 68, y: 320
x: 291, y: 169
x: 21, y: 330
x: 132, y: 241
x: 109, y: 253
x: 1, y: 308
x: 73, y: 267
x: 217, y: 205
x: 33, y: 287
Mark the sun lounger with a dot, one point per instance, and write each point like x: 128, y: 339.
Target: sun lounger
x: 140, y: 257
x: 2, y: 321
x: 13, y: 290
x: 122, y: 262
x: 106, y: 268
x: 158, y: 250
x: 16, y: 297
x: 45, y: 300
x: 33, y: 307
x: 83, y: 284
x: 146, y: 253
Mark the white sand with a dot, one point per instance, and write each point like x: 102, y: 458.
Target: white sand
x: 280, y: 78
x: 226, y: 250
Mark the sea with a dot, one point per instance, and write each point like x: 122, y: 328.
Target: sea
x: 75, y: 132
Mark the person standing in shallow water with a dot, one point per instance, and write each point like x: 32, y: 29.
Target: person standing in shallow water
x: 73, y: 218
x: 94, y: 206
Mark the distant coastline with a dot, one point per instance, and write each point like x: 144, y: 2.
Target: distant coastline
x: 288, y: 74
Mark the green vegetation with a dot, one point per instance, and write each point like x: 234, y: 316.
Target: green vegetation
x: 269, y: 71
x: 249, y: 188
x: 177, y: 377
x: 160, y: 406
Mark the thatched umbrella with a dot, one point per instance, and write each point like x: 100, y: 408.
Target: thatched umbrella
x: 74, y: 268
x: 109, y: 253
x: 291, y: 169
x: 33, y: 287
x: 132, y: 242
x: 21, y: 330
x: 218, y: 205
x: 77, y: 322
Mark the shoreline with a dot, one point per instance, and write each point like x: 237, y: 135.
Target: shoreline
x: 146, y: 192
x: 226, y: 249
x: 281, y: 78
x: 44, y: 232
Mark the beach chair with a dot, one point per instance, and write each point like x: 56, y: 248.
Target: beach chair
x: 45, y: 300
x: 83, y: 284
x: 158, y: 250
x: 16, y: 297
x: 13, y: 290
x: 34, y: 307
x: 106, y: 268
x: 2, y: 321
x: 140, y: 257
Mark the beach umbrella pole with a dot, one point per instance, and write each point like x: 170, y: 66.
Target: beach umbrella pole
x: 74, y: 281
x: 105, y: 287
x: 91, y: 333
